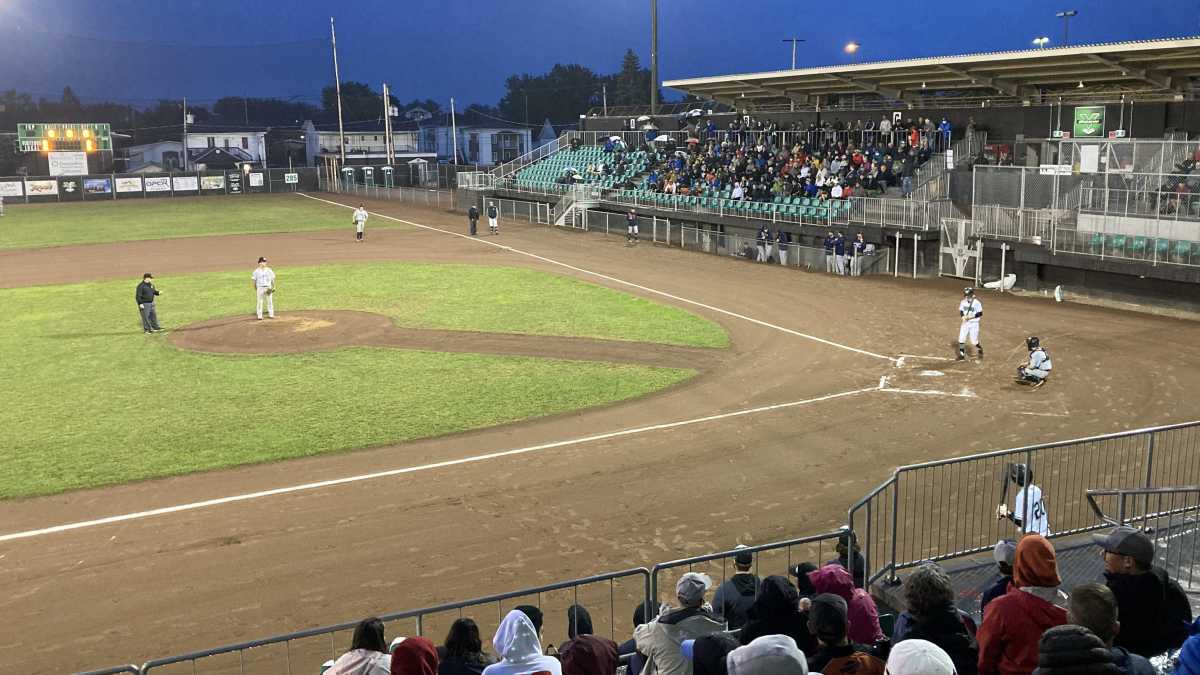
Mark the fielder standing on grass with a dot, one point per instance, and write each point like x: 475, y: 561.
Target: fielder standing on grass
x: 970, y: 310
x: 263, y: 279
x: 492, y: 215
x: 360, y: 222
x: 146, y: 292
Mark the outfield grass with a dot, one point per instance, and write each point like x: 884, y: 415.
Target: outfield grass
x: 90, y: 400
x: 32, y: 226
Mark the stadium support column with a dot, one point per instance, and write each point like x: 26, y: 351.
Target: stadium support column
x: 337, y: 83
x: 454, y: 132
x: 653, y: 56
x: 185, y: 154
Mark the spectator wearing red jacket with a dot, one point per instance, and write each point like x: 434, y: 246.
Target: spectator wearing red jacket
x: 1014, y: 622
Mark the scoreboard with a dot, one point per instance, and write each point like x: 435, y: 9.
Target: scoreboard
x: 56, y: 137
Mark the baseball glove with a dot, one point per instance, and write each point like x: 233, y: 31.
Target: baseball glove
x: 270, y: 291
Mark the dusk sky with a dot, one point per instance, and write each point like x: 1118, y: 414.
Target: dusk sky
x: 135, y: 51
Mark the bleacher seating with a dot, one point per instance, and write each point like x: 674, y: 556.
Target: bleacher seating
x: 548, y: 173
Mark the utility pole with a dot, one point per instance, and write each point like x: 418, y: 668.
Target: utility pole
x: 604, y: 97
x: 526, y: 92
x: 653, y: 56
x: 185, y: 153
x: 453, y: 131
x: 791, y: 103
x: 388, y: 148
x: 1066, y: 17
x: 246, y: 109
x: 337, y: 82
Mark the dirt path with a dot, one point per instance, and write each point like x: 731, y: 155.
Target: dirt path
x: 312, y: 330
x: 167, y: 584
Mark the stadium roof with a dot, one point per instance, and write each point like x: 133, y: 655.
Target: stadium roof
x: 1142, y: 70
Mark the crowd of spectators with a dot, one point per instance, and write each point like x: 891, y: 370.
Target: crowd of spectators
x: 756, y: 160
x: 824, y: 622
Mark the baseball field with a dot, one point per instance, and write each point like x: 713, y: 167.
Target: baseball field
x: 434, y: 417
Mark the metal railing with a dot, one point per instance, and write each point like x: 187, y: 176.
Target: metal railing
x: 1169, y: 516
x: 774, y: 558
x: 130, y: 668
x: 307, y: 657
x: 946, y: 509
x: 1153, y: 250
x: 541, y: 152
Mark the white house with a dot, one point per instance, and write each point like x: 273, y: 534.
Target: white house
x: 365, y: 146
x: 479, y: 144
x: 206, y: 149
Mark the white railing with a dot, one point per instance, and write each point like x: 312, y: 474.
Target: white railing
x: 539, y: 153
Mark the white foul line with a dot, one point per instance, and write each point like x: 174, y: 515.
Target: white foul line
x: 424, y: 467
x: 619, y: 281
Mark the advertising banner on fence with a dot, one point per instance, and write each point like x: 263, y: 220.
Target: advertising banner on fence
x: 235, y: 183
x: 70, y: 187
x: 184, y: 183
x: 158, y: 184
x: 256, y: 180
x: 291, y: 178
x: 67, y: 163
x: 212, y: 182
x: 97, y: 186
x: 1089, y: 121
x: 11, y: 188
x: 129, y: 185
x: 40, y: 188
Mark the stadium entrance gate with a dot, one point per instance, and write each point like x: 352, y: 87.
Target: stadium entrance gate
x: 956, y: 250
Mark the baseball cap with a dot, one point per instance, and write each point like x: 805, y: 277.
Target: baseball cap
x: 919, y: 657
x: 1127, y: 541
x: 147, y: 275
x: 743, y: 557
x: 1005, y: 551
x: 262, y: 259
x: 395, y: 643
x: 691, y: 587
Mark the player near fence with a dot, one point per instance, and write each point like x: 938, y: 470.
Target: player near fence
x: 970, y: 311
x: 782, y: 241
x: 1028, y: 501
x: 492, y: 215
x: 764, y: 244
x: 631, y: 227
x: 1036, y: 368
x: 829, y: 243
x: 360, y: 222
x: 263, y: 279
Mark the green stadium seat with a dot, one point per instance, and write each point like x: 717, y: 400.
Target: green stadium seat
x: 1183, y: 250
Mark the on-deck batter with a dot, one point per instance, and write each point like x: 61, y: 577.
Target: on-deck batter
x: 969, y: 310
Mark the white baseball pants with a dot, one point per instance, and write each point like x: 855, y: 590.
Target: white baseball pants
x: 968, y: 332
x: 262, y: 292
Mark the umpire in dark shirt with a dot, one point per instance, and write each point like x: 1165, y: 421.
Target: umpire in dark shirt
x: 146, y: 292
x: 473, y: 217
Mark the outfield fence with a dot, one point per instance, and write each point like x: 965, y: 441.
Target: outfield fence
x: 117, y: 186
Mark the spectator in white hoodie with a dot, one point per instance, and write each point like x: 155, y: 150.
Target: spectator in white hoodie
x: 520, y: 649
x: 368, y: 653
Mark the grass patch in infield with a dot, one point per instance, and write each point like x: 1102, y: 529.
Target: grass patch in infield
x: 90, y: 400
x: 39, y: 225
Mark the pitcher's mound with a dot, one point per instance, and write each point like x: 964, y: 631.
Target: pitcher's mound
x: 302, y: 331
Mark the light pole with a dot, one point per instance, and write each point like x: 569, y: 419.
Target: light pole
x: 852, y: 48
x: 1041, y: 41
x: 793, y: 41
x: 1066, y: 17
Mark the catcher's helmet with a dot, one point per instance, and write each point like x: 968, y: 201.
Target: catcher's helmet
x: 1020, y: 474
x: 1033, y: 342
x: 968, y: 291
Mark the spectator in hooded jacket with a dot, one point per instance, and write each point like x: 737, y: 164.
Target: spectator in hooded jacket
x: 462, y: 653
x: 586, y: 653
x: 931, y: 615
x: 708, y: 653
x: 1069, y: 649
x: 520, y: 648
x: 863, y: 615
x: 1094, y: 607
x: 1188, y: 661
x: 368, y: 653
x: 734, y: 597
x: 1014, y: 623
x: 659, y: 640
x: 641, y: 614
x: 837, y: 654
x: 415, y: 656
x: 1003, y: 554
x: 776, y: 611
x: 803, y: 584
x: 1154, y: 610
x: 768, y: 655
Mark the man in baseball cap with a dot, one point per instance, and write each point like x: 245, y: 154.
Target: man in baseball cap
x: 1153, y: 609
x: 659, y: 639
x: 733, y: 598
x: 1003, y: 553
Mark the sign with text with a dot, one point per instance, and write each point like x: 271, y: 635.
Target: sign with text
x: 1089, y: 121
x: 184, y: 183
x: 291, y: 178
x: 212, y: 182
x: 129, y: 185
x: 39, y: 188
x: 158, y: 184
x: 235, y: 183
x: 11, y: 188
x: 256, y: 180
x: 67, y: 163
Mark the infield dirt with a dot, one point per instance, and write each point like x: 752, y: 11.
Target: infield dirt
x: 161, y: 585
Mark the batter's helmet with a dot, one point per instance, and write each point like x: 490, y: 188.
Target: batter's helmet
x: 1033, y: 342
x: 968, y: 291
x: 1020, y: 474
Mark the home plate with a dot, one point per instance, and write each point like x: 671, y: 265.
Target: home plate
x: 931, y: 373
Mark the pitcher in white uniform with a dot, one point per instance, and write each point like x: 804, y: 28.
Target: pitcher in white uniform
x: 360, y: 222
x: 970, y: 310
x: 264, y: 285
